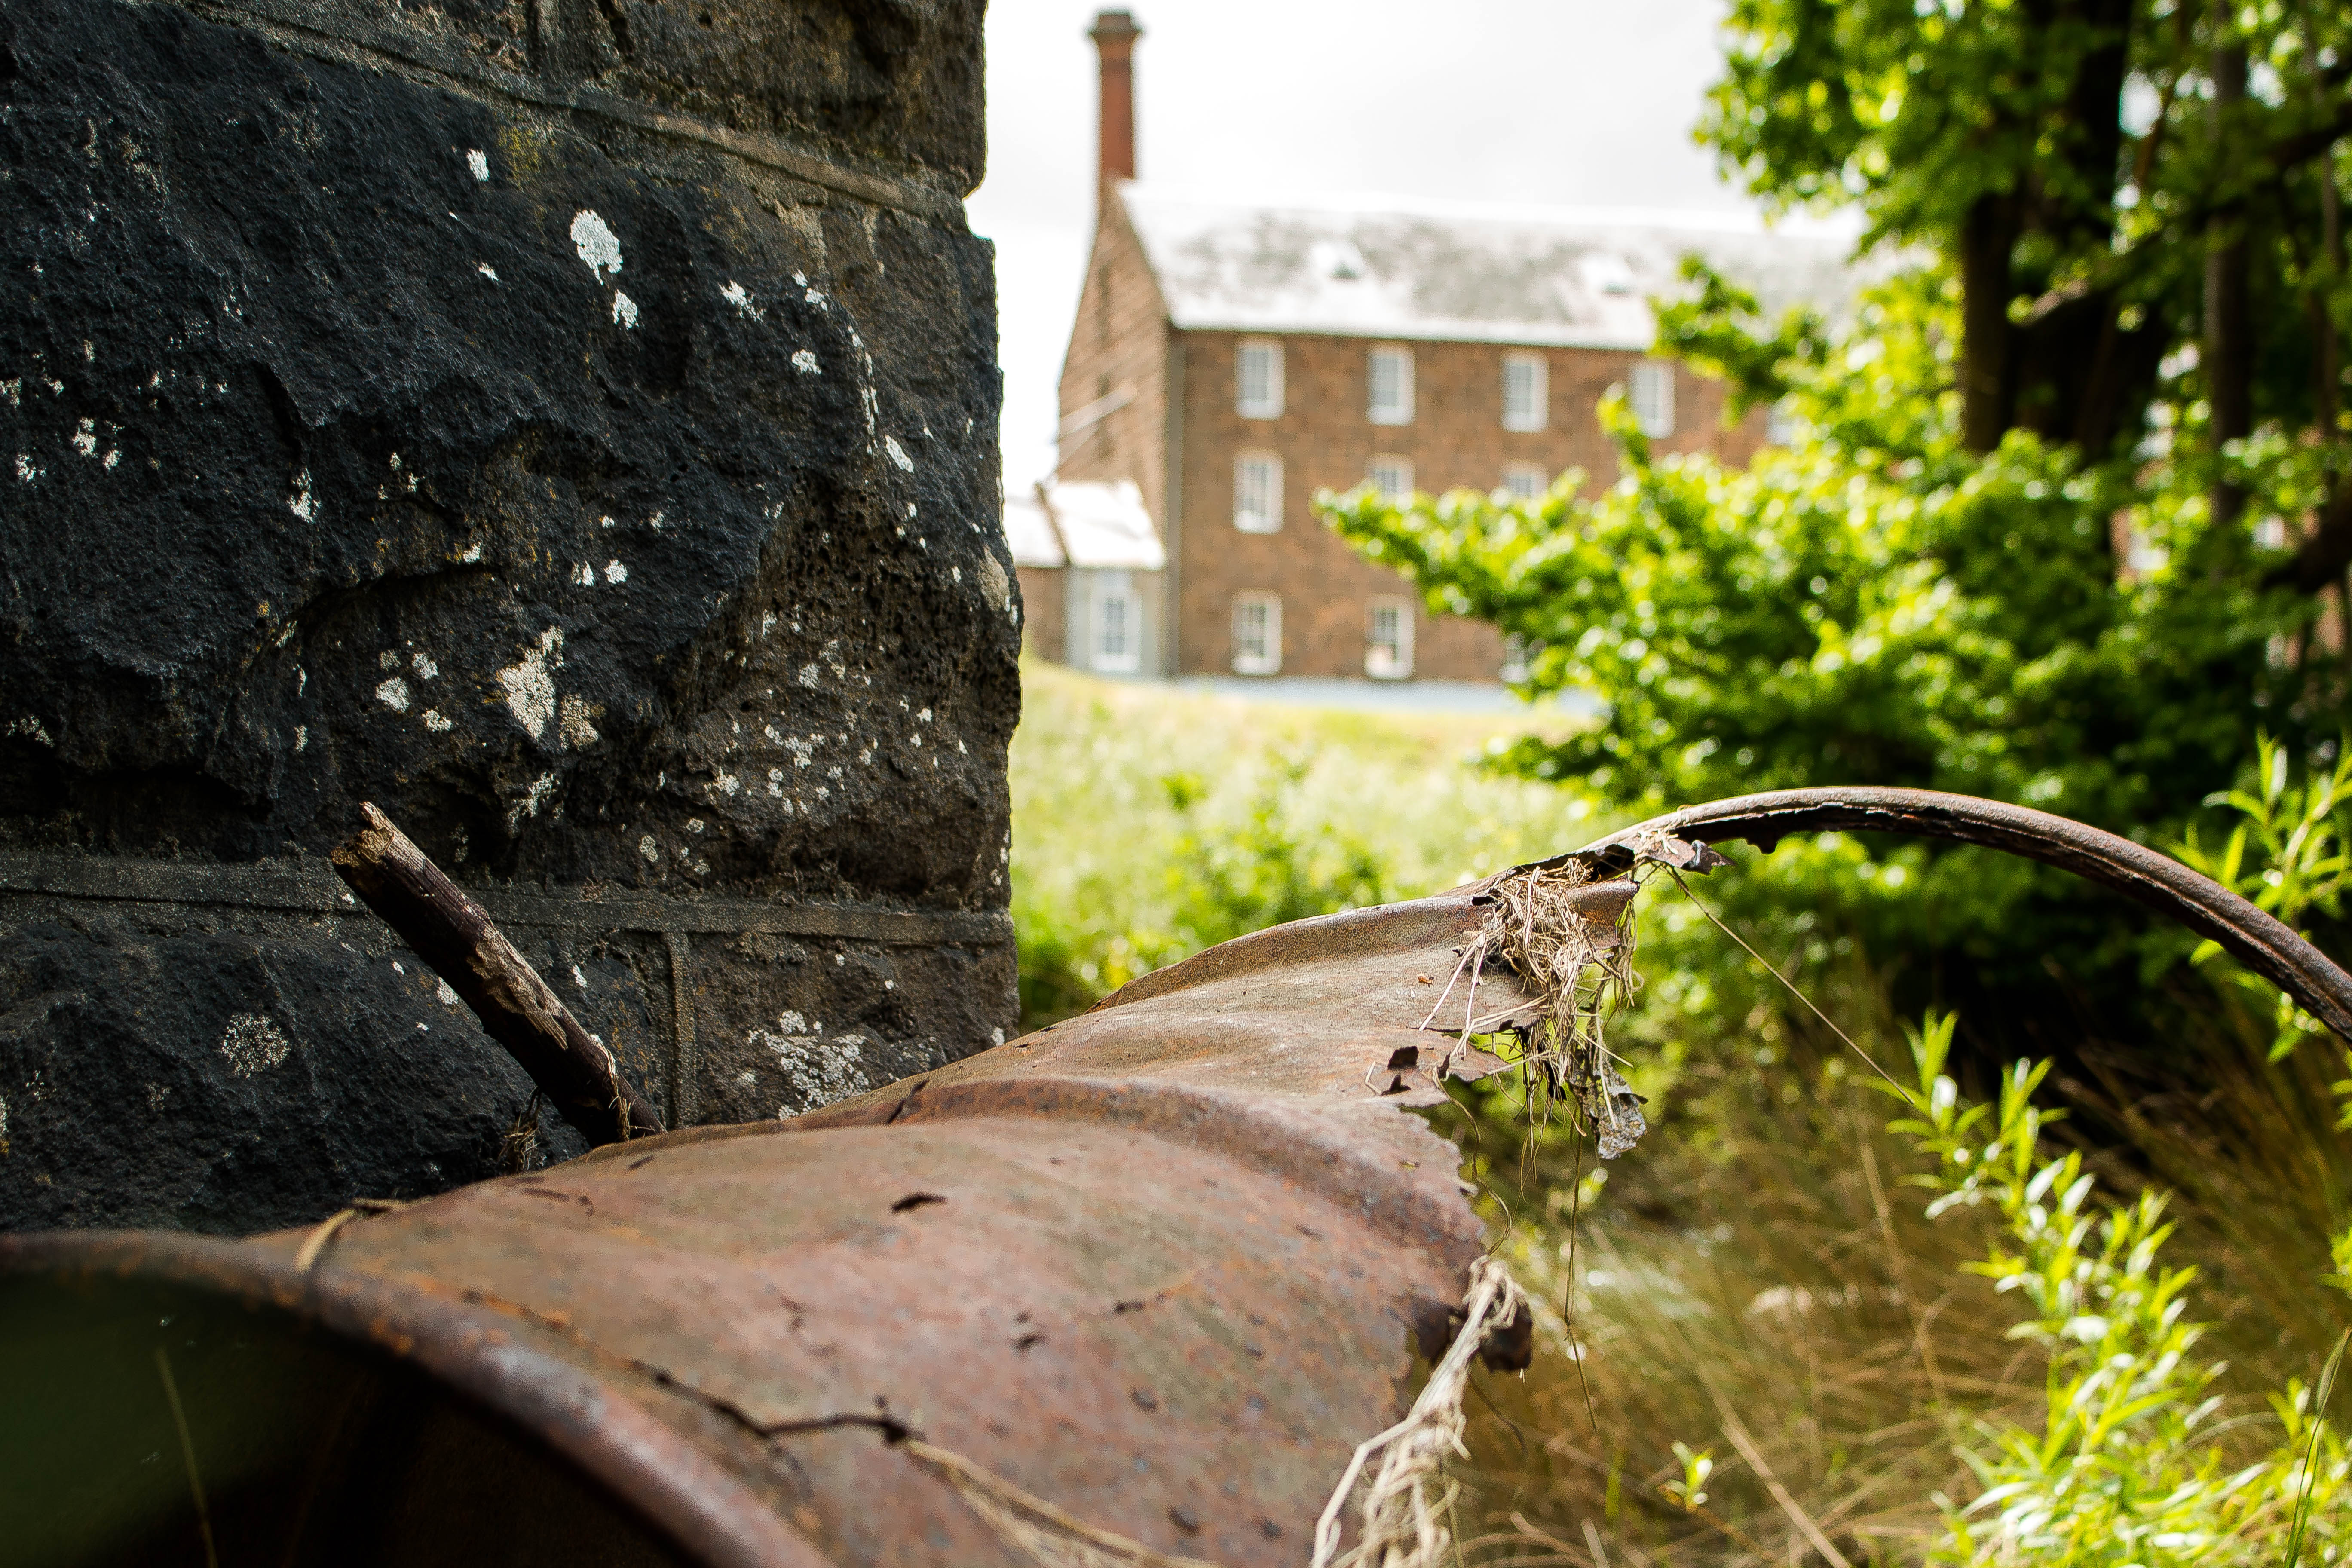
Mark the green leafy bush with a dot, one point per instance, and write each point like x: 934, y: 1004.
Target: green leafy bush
x: 2121, y: 1468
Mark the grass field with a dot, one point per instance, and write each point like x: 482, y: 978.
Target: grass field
x: 1129, y: 801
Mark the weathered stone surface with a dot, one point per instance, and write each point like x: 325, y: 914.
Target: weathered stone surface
x: 575, y: 431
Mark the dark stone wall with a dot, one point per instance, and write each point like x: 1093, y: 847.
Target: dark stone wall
x: 572, y: 427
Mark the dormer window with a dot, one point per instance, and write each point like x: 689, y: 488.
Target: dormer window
x: 1258, y: 379
x: 1337, y: 258
x: 1604, y: 272
x: 1389, y: 371
x: 1527, y: 392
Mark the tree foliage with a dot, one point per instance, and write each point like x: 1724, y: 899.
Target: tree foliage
x: 2067, y: 517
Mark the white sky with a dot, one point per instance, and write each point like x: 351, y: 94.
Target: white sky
x: 1553, y: 103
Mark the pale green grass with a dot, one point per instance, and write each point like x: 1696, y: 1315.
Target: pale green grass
x: 1099, y: 771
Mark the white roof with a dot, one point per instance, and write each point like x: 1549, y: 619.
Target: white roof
x: 1030, y: 533
x: 1457, y: 271
x: 1103, y: 523
x: 1084, y: 522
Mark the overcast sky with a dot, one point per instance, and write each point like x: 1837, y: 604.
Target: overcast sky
x: 1554, y: 103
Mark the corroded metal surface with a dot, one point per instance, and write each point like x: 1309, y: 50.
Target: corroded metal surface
x: 1161, y: 1265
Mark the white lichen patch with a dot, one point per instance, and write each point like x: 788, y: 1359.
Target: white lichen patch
x: 300, y: 502
x: 818, y: 1072
x: 424, y: 665
x: 573, y: 722
x: 478, y: 162
x: 394, y: 694
x: 584, y: 574
x: 615, y: 573
x: 808, y: 675
x: 27, y: 469
x: 533, y: 799
x: 32, y: 728
x: 252, y: 1043
x: 741, y: 297
x: 805, y: 363
x: 995, y: 585
x: 625, y: 310
x: 444, y: 994
x: 648, y: 848
x: 434, y: 721
x: 598, y: 245
x: 530, y: 687
x: 85, y: 437
x: 897, y: 453
x: 487, y: 271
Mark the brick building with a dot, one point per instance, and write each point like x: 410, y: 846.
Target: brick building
x: 1231, y: 359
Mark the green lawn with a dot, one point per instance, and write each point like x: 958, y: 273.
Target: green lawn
x: 1148, y: 823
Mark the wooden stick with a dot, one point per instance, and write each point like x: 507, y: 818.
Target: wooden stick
x: 449, y: 931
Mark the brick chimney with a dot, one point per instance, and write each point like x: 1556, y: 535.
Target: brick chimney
x: 1114, y: 34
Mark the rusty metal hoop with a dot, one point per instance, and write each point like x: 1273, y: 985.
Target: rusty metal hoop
x: 2158, y: 882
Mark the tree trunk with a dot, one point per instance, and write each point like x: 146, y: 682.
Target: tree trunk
x: 1987, y: 336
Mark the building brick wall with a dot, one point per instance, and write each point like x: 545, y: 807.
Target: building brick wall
x: 1043, y: 612
x: 1325, y: 438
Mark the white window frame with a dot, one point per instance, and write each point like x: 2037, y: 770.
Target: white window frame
x: 1266, y: 659
x: 1524, y: 481
x: 1398, y: 358
x: 1650, y: 389
x: 1257, y: 513
x: 1267, y: 404
x: 1536, y: 412
x: 1389, y: 661
x: 1115, y: 588
x: 1399, y: 470
x: 1780, y: 425
x: 1517, y: 653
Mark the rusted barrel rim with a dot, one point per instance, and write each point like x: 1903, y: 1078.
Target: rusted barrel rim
x: 2161, y: 883
x: 621, y: 1449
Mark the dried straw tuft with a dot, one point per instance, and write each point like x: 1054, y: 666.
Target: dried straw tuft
x: 1581, y: 971
x: 1408, y: 1497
